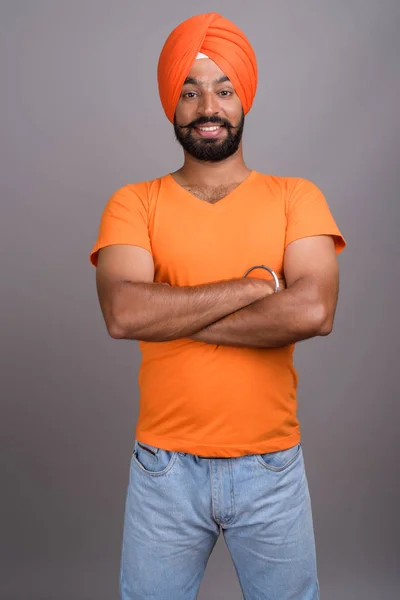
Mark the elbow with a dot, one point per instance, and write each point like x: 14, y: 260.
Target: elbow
x: 115, y: 330
x: 120, y: 321
x: 116, y: 326
x: 325, y: 329
x: 122, y: 329
x: 323, y: 322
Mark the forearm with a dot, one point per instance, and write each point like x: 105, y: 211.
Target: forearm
x: 156, y: 312
x: 275, y: 321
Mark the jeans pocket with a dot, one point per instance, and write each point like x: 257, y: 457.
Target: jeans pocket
x: 280, y: 460
x: 151, y: 459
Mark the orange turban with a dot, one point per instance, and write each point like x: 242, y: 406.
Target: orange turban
x: 220, y: 40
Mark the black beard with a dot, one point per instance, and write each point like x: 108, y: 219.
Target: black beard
x: 212, y: 149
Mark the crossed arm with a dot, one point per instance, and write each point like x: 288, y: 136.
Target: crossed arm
x: 243, y: 312
x: 306, y: 308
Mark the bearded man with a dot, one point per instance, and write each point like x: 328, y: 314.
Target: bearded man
x: 218, y: 270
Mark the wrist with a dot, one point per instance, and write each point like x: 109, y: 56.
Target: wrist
x: 269, y: 286
x: 275, y: 283
x: 263, y: 287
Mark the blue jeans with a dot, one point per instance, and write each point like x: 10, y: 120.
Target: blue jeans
x: 177, y: 503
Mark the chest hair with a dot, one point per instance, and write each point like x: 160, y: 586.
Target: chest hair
x: 210, y: 194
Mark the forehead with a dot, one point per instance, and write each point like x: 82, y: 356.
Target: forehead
x: 205, y: 70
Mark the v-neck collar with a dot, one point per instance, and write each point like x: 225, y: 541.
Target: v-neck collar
x: 214, y: 205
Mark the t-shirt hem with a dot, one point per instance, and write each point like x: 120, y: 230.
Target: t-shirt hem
x: 220, y: 450
x: 340, y: 242
x: 93, y: 256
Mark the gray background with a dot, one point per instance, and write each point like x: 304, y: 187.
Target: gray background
x: 80, y: 117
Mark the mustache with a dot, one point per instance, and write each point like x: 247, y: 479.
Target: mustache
x: 204, y: 120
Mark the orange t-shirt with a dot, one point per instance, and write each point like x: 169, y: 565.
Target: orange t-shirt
x: 207, y: 399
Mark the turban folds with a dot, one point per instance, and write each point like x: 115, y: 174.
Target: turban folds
x: 223, y: 42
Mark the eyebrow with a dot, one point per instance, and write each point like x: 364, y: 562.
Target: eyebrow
x: 194, y: 81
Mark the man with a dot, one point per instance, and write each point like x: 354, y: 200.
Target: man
x: 217, y: 443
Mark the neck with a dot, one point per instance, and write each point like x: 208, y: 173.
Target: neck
x: 224, y: 172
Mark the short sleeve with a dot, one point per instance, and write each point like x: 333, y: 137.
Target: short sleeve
x: 308, y: 214
x: 124, y: 220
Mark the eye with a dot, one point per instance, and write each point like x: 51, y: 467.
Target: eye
x: 225, y: 92
x: 189, y: 94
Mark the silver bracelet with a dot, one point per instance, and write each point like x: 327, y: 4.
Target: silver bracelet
x: 267, y: 269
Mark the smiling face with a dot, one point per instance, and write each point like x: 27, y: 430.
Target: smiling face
x: 209, y: 117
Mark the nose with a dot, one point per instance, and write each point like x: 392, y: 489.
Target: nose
x: 209, y: 104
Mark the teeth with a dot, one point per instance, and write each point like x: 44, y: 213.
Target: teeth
x: 209, y: 128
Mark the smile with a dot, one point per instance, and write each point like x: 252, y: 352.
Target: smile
x: 209, y: 128
x: 212, y: 131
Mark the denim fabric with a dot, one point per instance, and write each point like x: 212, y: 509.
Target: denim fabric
x: 177, y: 504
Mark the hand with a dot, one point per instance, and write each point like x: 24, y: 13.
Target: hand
x: 271, y: 283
